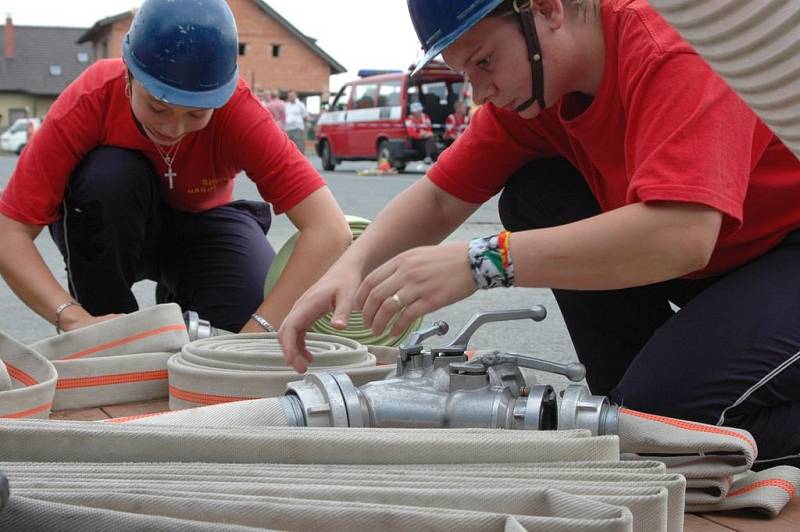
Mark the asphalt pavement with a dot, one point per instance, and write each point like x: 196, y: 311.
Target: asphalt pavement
x: 362, y: 196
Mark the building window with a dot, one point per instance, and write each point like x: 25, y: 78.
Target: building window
x: 242, y: 48
x: 276, y: 50
x: 104, y: 46
x: 55, y: 70
x: 83, y: 57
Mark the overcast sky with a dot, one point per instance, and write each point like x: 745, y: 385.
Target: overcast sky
x: 356, y: 33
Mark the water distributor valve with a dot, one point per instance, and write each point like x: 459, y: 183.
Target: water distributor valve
x: 443, y: 388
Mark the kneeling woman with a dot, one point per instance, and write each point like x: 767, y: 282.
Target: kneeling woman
x: 133, y: 171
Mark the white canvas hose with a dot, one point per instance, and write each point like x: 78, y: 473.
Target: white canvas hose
x: 115, y: 361
x: 754, y: 46
x: 132, y: 358
x: 241, y: 487
x: 248, y: 366
x: 27, y: 381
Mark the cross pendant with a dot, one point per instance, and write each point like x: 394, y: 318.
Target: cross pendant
x: 169, y: 175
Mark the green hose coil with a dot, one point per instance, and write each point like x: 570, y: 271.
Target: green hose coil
x: 355, y: 324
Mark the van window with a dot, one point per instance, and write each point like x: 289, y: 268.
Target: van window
x: 389, y: 94
x: 340, y: 103
x: 439, y: 89
x: 366, y: 96
x: 19, y: 126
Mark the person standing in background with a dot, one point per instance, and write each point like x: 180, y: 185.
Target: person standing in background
x: 277, y: 107
x: 296, y: 115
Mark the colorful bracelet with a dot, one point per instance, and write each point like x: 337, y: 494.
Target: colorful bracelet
x: 490, y: 261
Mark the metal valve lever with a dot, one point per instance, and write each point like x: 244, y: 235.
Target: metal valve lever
x: 574, y: 372
x: 414, y: 341
x: 536, y: 313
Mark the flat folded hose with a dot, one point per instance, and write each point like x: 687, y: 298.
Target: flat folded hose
x: 355, y: 324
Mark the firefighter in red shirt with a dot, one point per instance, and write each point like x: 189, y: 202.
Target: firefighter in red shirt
x: 456, y: 122
x: 420, y: 131
x: 633, y: 180
x: 133, y: 173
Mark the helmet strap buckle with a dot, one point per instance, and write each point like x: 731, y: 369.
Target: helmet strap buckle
x: 523, y: 5
x: 524, y: 9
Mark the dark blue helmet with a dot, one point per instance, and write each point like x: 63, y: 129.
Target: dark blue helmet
x: 440, y: 22
x: 184, y: 52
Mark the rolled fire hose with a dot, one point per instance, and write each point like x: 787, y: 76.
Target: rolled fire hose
x: 239, y: 367
x: 755, y: 47
x: 355, y: 325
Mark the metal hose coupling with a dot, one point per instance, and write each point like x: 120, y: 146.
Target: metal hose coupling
x: 196, y: 327
x: 443, y: 388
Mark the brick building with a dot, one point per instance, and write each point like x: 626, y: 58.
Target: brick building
x: 36, y: 64
x: 272, y: 52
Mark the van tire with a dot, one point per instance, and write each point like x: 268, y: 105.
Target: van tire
x: 385, y: 153
x: 326, y: 154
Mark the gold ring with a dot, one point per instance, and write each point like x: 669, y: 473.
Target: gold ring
x: 398, y: 301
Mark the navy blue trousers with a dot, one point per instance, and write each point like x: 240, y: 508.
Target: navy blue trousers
x: 116, y: 230
x: 730, y: 356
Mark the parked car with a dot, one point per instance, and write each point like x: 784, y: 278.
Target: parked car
x: 367, y: 119
x: 18, y: 135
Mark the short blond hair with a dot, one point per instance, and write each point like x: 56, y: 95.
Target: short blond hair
x: 580, y: 7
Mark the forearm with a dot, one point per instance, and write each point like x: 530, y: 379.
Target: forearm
x: 316, y: 250
x: 635, y: 245
x: 421, y: 215
x: 26, y: 273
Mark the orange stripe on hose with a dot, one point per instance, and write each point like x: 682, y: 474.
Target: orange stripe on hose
x: 131, y: 418
x: 786, y: 486
x: 203, y: 398
x: 106, y: 380
x: 126, y: 340
x: 688, y: 425
x: 17, y: 374
x: 26, y: 413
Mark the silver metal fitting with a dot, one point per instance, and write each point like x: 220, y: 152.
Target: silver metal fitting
x: 196, y: 327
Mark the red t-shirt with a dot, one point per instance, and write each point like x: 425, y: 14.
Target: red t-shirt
x: 662, y: 127
x: 455, y: 125
x: 95, y: 111
x: 415, y: 125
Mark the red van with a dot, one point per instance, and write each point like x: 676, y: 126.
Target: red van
x: 366, y: 120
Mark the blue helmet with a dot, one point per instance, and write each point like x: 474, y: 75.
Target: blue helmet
x: 184, y: 52
x: 439, y: 23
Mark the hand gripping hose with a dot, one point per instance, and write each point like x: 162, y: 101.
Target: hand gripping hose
x: 355, y: 325
x: 115, y: 361
x: 752, y: 45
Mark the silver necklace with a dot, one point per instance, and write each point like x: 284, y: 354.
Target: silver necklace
x: 169, y: 157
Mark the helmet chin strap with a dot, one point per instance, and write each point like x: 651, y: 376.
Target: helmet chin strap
x: 524, y: 9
